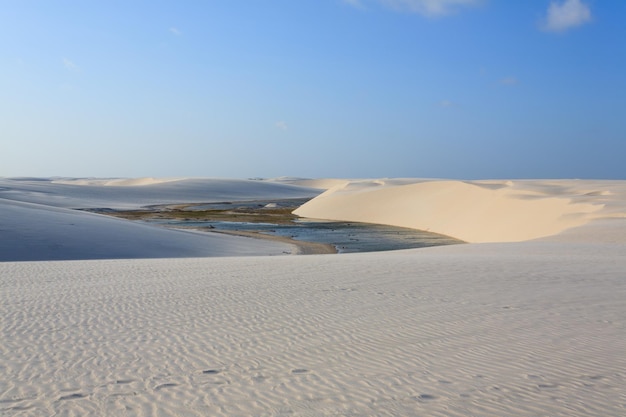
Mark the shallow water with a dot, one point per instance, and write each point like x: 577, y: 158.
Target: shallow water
x: 347, y: 237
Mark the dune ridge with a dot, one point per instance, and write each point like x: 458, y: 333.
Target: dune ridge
x: 116, y: 182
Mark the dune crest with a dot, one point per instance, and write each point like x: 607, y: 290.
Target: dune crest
x: 474, y: 212
x: 322, y: 184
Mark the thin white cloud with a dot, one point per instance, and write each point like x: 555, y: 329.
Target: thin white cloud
x: 175, y: 31
x: 428, y: 8
x: 282, y: 125
x: 69, y: 65
x: 355, y: 3
x: 566, y: 15
x: 509, y: 81
x: 447, y: 104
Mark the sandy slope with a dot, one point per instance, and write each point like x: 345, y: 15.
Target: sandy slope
x: 531, y: 328
x: 36, y: 225
x: 34, y: 232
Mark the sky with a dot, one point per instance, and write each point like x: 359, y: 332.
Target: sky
x: 467, y: 89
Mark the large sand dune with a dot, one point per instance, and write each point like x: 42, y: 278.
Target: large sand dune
x: 36, y: 223
x: 478, y: 211
x: 534, y: 328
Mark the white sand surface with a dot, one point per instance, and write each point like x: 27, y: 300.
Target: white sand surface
x: 535, y: 328
x: 475, y: 330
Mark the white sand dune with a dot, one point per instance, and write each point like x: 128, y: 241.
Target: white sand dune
x: 34, y: 232
x: 36, y: 224
x: 477, y: 211
x: 533, y: 328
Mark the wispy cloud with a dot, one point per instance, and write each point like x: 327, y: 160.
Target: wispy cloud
x: 566, y: 15
x: 282, y: 125
x: 69, y: 65
x: 354, y: 3
x: 175, y: 31
x: 447, y: 104
x: 428, y: 8
x: 508, y: 81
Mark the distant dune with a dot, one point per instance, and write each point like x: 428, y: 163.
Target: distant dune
x: 116, y: 182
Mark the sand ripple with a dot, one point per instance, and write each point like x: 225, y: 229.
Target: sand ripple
x: 441, y: 332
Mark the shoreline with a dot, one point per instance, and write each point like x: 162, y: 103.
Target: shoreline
x: 278, y: 213
x: 302, y: 247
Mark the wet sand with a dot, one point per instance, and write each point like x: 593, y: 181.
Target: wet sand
x: 302, y: 247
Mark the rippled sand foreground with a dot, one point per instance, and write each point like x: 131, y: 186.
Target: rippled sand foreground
x: 445, y: 331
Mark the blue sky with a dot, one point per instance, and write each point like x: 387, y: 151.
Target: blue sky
x: 313, y: 88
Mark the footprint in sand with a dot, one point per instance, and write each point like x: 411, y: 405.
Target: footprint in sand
x: 160, y: 387
x: 124, y: 381
x: 72, y: 396
x: 547, y: 386
x: 211, y: 372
